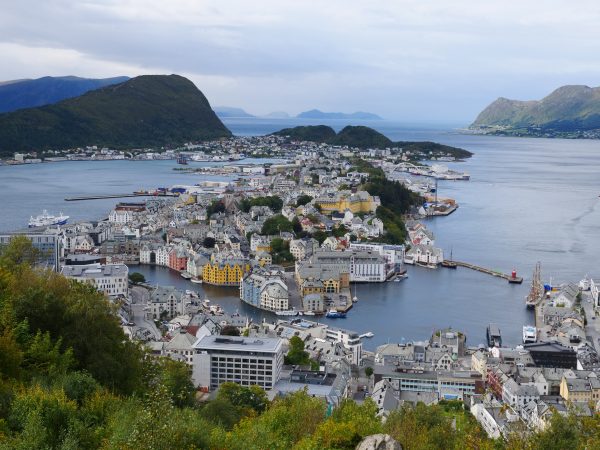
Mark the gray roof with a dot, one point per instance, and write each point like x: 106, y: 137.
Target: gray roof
x: 238, y: 344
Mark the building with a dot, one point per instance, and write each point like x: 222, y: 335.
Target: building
x: 178, y: 259
x: 246, y: 361
x: 552, y: 354
x: 274, y: 296
x: 362, y: 266
x: 359, y: 202
x: 48, y: 246
x: 228, y: 273
x: 112, y: 279
x: 166, y: 301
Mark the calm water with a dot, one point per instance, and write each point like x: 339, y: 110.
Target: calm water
x: 528, y: 200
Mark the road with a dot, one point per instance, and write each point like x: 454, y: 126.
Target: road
x: 592, y: 329
x: 144, y: 327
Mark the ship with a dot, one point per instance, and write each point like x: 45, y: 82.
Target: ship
x: 181, y: 159
x: 536, y: 292
x: 46, y: 220
x: 335, y: 314
x: 494, y: 338
x: 449, y: 263
x: 529, y: 334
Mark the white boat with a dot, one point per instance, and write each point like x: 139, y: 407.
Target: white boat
x: 309, y: 313
x: 216, y: 310
x: 584, y: 284
x: 196, y: 280
x: 46, y: 220
x: 289, y: 312
x: 529, y: 334
x: 185, y: 275
x: 368, y: 334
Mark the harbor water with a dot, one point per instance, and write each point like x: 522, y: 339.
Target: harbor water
x: 528, y: 200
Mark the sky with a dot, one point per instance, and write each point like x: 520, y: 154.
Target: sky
x: 407, y: 60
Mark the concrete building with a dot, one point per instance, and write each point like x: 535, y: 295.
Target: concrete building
x: 246, y: 361
x: 48, y: 246
x: 112, y: 279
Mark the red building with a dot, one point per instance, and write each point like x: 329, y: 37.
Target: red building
x: 178, y: 260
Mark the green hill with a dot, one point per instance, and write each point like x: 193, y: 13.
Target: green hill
x: 146, y: 111
x: 314, y: 133
x: 364, y: 138
x: 567, y: 109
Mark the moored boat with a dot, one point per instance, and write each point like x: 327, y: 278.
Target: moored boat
x: 529, y: 334
x: 46, y: 220
x: 335, y: 314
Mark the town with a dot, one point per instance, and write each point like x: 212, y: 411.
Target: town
x: 292, y: 237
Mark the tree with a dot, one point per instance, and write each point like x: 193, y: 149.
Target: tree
x: 275, y: 225
x: 137, y: 278
x: 230, y: 330
x: 296, y: 225
x: 244, y: 397
x: 209, y: 242
x: 296, y: 353
x: 303, y: 200
x: 217, y: 206
x: 175, y: 376
x: 368, y: 371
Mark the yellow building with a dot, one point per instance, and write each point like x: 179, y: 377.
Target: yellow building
x: 225, y: 274
x: 580, y: 389
x: 359, y: 202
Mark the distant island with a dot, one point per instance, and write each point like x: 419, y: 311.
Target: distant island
x: 20, y: 94
x: 316, y: 114
x: 145, y: 111
x: 227, y: 112
x: 366, y: 138
x: 568, y: 112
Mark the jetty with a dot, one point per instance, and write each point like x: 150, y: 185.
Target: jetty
x: 101, y: 196
x: 512, y: 278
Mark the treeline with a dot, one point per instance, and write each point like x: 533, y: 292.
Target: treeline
x: 71, y: 379
x: 396, y: 201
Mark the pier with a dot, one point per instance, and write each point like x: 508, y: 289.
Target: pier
x: 101, y: 197
x: 495, y: 273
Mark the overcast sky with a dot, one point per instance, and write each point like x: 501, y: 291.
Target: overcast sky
x: 413, y: 60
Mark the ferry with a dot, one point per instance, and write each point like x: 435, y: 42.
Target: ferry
x: 289, y: 312
x: 529, y: 334
x: 494, y: 338
x: 335, y: 314
x: 46, y: 220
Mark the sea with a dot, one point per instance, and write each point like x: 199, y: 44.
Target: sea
x: 528, y: 200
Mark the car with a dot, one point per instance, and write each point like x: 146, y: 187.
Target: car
x: 130, y: 324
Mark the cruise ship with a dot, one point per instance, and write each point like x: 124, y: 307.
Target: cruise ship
x: 529, y: 334
x: 46, y: 220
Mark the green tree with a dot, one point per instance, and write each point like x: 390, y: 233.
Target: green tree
x: 137, y: 278
x: 275, y: 225
x: 303, y: 200
x: 368, y: 371
x: 245, y: 397
x: 296, y: 354
x: 230, y: 330
x: 175, y: 377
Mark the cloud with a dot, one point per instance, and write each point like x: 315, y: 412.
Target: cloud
x: 409, y: 59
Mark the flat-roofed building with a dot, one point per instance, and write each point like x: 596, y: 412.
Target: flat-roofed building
x: 47, y: 244
x: 112, y: 279
x: 242, y: 360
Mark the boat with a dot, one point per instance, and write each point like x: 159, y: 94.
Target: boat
x: 529, y: 334
x: 584, y: 284
x: 206, y: 303
x: 368, y: 334
x: 181, y: 159
x: 216, y: 310
x: 196, y: 280
x: 449, y: 263
x: 335, y: 314
x: 537, y: 288
x: 186, y: 275
x: 309, y: 313
x: 46, y: 220
x: 400, y: 277
x: 288, y: 312
x: 494, y: 338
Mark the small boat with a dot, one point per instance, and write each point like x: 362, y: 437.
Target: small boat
x: 335, y: 314
x: 196, y: 280
x: 186, y: 275
x: 181, y: 159
x: 216, y: 310
x: 289, y: 312
x: 449, y: 263
x: 309, y: 313
x: 368, y: 334
x: 400, y: 277
x: 206, y: 303
x: 529, y: 334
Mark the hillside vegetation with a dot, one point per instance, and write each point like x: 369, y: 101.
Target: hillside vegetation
x: 363, y: 137
x: 146, y: 111
x: 568, y: 108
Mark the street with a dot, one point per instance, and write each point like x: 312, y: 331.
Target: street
x: 144, y: 328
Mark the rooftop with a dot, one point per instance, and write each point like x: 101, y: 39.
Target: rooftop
x: 240, y: 344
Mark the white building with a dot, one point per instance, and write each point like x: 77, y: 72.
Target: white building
x: 120, y: 216
x: 424, y: 254
x: 362, y: 266
x: 166, y: 300
x: 246, y: 361
x: 274, y: 296
x: 349, y: 339
x: 112, y: 279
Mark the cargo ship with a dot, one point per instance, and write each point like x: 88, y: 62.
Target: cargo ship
x: 46, y: 220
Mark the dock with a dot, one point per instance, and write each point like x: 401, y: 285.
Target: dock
x: 495, y: 273
x: 101, y: 197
